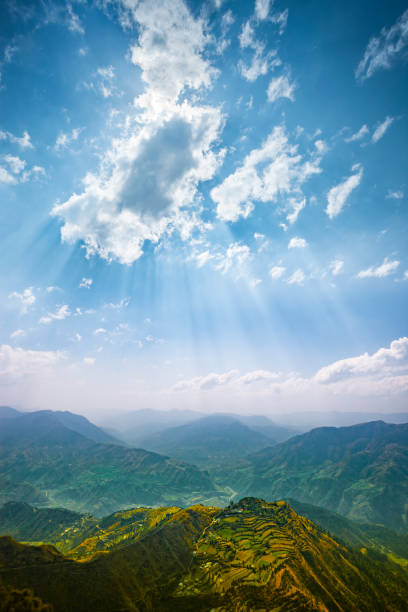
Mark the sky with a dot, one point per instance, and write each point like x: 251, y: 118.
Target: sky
x: 203, y: 204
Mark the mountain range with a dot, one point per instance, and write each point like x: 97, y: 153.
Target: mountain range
x: 360, y: 471
x: 44, y: 462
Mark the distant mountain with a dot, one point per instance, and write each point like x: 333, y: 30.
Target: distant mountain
x: 139, y: 425
x: 62, y: 467
x: 81, y: 425
x: 207, y: 442
x: 252, y: 555
x: 360, y: 471
x: 306, y: 420
x: 8, y: 413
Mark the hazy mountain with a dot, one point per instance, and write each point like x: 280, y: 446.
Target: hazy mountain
x: 209, y: 441
x: 7, y: 413
x: 251, y: 555
x: 65, y: 468
x: 135, y: 427
x: 360, y: 471
x: 304, y: 421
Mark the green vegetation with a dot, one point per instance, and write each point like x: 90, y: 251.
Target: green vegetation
x: 359, y: 472
x: 252, y: 555
x: 59, y: 467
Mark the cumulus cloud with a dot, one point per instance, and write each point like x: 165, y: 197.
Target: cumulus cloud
x: 381, y: 129
x: 24, y: 141
x: 26, y: 298
x: 277, y: 271
x: 383, y: 51
x: 147, y: 183
x: 362, y: 132
x: 18, y: 362
x: 281, y: 87
x: 338, y: 195
x: 385, y: 361
x: 385, y: 269
x: 266, y: 173
x: 385, y: 373
x: 17, y: 333
x: 262, y: 9
x: 59, y: 315
x: 297, y: 243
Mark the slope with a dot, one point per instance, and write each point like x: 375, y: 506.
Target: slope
x: 39, y: 456
x: 360, y: 471
x: 208, y: 442
x: 250, y: 556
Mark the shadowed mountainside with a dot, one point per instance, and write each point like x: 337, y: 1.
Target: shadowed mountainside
x: 56, y: 466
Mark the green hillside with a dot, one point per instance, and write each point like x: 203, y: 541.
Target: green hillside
x: 252, y: 555
x: 360, y: 472
x: 56, y: 466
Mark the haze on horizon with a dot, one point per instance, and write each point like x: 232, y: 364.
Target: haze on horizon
x: 203, y: 206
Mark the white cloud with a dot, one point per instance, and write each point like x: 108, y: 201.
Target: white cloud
x: 100, y: 330
x: 236, y: 256
x: 262, y: 9
x: 73, y: 22
x: 6, y: 177
x: 281, y: 87
x: 146, y: 186
x: 18, y: 362
x: 16, y: 164
x: 203, y: 257
x: 383, y: 362
x: 85, y: 283
x: 65, y: 139
x: 385, y: 269
x: 26, y: 298
x: 266, y: 173
x: 336, y: 266
x: 90, y: 361
x: 17, y: 333
x: 297, y: 206
x: 337, y: 196
x: 59, y: 315
x: 297, y: 278
x: 277, y: 272
x: 395, y: 195
x: 363, y: 131
x: 405, y: 277
x: 382, y: 51
x: 297, y: 243
x: 24, y: 141
x: 382, y: 128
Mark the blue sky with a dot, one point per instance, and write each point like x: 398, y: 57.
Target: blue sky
x: 203, y: 204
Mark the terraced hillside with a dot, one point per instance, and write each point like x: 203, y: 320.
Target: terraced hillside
x: 250, y: 556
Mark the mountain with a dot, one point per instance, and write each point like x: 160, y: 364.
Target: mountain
x: 252, y: 555
x: 72, y: 421
x: 306, y: 420
x: 360, y: 471
x: 208, y: 442
x: 8, y: 413
x: 356, y: 534
x: 59, y: 467
x: 139, y: 425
